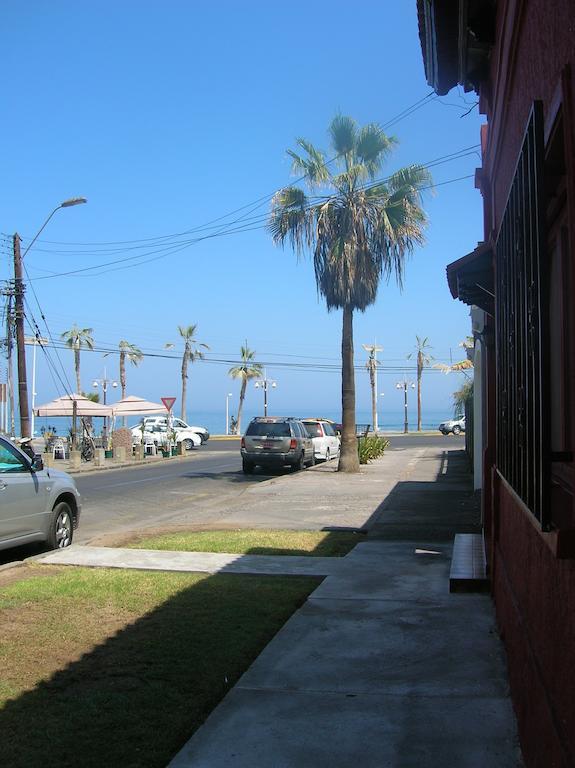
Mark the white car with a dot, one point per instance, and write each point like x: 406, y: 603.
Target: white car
x: 177, y: 425
x: 158, y: 433
x: 325, y: 442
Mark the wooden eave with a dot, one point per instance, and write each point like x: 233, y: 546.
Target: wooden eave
x: 470, y: 278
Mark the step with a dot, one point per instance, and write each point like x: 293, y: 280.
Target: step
x: 468, y: 567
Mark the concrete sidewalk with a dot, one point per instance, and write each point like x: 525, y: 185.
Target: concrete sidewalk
x: 382, y: 666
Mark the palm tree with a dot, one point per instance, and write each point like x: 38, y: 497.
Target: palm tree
x: 76, y: 338
x: 461, y: 365
x: 357, y: 233
x: 192, y: 352
x: 423, y: 359
x: 247, y: 370
x: 132, y: 354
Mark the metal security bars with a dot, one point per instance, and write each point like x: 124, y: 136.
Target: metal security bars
x: 523, y: 455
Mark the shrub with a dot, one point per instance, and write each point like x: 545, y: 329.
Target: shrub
x: 371, y: 447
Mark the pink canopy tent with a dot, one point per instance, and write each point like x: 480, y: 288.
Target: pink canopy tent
x: 137, y: 406
x: 64, y: 406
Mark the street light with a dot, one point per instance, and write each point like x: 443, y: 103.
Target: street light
x: 264, y: 384
x: 228, y: 412
x: 404, y: 385
x: 371, y: 366
x: 35, y: 341
x: 104, y: 384
x: 19, y: 316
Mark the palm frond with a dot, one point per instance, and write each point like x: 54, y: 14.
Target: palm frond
x: 373, y: 147
x: 313, y: 166
x: 343, y: 134
x: 292, y: 219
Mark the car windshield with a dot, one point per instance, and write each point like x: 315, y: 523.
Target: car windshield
x: 268, y: 429
x: 313, y: 428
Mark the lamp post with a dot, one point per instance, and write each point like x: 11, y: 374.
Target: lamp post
x: 264, y: 384
x: 228, y: 412
x: 104, y: 384
x: 404, y: 385
x: 19, y: 316
x: 371, y: 366
x: 35, y: 341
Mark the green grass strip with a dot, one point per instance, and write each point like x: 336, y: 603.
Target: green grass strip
x: 119, y: 668
x: 254, y: 542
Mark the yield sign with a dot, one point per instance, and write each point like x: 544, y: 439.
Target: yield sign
x: 168, y: 402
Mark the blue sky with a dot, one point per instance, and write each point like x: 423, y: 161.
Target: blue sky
x: 167, y: 116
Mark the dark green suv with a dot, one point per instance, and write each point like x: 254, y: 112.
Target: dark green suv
x: 276, y: 441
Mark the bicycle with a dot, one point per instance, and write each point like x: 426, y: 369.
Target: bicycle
x: 87, y: 448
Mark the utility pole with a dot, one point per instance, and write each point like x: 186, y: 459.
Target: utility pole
x: 371, y: 366
x: 9, y: 346
x: 20, y: 343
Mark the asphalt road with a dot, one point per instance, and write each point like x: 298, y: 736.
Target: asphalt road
x: 185, y: 492
x: 190, y: 491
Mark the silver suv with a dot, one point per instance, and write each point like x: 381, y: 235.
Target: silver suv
x: 276, y: 441
x: 456, y: 426
x: 36, y: 504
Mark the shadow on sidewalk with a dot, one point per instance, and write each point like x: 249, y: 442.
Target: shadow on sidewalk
x: 433, y: 509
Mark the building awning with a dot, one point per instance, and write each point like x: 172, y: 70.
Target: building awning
x: 456, y: 39
x: 471, y: 281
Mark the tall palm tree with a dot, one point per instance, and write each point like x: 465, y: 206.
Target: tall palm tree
x: 76, y: 338
x: 247, y: 370
x: 192, y: 352
x: 132, y: 354
x: 423, y: 359
x: 357, y: 232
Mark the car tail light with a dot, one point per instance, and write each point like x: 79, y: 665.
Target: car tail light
x: 243, y: 442
x: 292, y: 444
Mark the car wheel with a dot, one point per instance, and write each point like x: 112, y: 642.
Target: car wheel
x: 327, y: 455
x: 248, y: 467
x: 312, y: 460
x: 456, y: 429
x: 61, y: 526
x: 300, y: 463
x: 188, y: 444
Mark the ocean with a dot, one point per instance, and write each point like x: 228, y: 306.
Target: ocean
x: 215, y: 421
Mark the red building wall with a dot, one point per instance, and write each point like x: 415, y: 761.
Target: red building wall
x: 533, y: 589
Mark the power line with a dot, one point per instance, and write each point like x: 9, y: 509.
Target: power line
x: 428, y: 98
x: 457, y: 155
x: 173, y: 249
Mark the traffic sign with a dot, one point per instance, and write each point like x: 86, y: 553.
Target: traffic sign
x: 168, y: 402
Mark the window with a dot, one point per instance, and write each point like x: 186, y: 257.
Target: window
x: 269, y: 429
x: 522, y: 419
x: 10, y: 460
x: 313, y: 428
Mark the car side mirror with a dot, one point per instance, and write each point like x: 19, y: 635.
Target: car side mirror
x: 37, y: 463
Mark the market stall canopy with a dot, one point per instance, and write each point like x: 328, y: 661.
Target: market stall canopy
x: 63, y: 406
x: 137, y: 406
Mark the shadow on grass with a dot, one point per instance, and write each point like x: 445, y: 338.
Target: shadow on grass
x: 137, y: 697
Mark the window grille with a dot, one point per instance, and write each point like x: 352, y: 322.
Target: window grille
x: 522, y: 426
